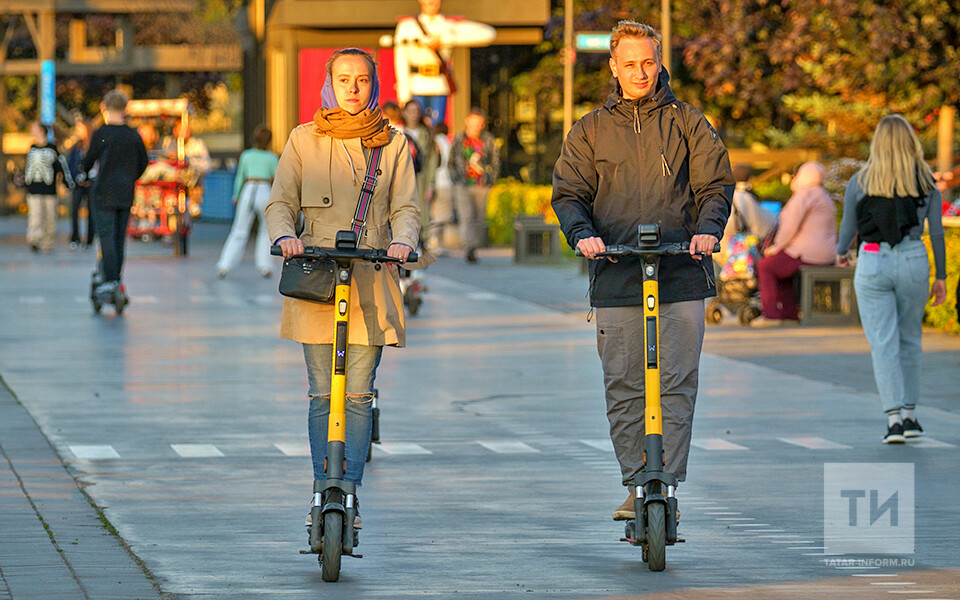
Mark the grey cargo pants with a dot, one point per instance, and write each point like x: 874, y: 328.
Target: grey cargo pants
x: 620, y: 344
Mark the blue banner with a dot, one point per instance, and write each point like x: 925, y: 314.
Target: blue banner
x: 593, y: 42
x: 48, y: 96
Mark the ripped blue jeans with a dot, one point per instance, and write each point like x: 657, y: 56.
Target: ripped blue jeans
x: 362, y: 362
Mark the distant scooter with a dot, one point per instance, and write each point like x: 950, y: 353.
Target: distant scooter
x: 117, y: 296
x: 412, y: 287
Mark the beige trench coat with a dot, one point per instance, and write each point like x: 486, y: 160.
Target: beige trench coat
x: 321, y: 177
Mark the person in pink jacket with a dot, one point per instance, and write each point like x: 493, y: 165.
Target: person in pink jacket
x: 806, y: 235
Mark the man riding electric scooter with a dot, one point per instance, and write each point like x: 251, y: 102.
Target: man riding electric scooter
x: 645, y: 158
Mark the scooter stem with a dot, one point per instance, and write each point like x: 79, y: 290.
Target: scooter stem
x: 653, y: 426
x: 336, y: 425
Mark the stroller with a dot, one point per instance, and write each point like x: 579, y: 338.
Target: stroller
x: 737, y: 287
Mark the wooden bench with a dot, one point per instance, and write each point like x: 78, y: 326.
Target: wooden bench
x: 827, y: 296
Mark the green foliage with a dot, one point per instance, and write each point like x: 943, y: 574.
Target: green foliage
x: 510, y: 198
x: 944, y: 317
x: 773, y: 189
x: 784, y: 73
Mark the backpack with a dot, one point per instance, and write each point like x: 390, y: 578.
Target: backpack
x: 415, y: 153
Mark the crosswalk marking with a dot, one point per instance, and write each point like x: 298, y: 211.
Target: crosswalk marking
x: 928, y: 442
x: 32, y: 300
x: 484, y: 296
x: 508, y: 447
x: 813, y: 443
x: 583, y: 450
x: 601, y: 444
x: 298, y: 449
x: 716, y: 444
x: 402, y: 448
x: 196, y: 450
x: 93, y: 452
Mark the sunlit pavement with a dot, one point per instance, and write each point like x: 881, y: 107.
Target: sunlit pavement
x: 185, y: 419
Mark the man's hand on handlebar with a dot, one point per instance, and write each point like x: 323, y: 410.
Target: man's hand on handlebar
x: 703, y: 243
x: 290, y: 246
x: 591, y: 246
x: 401, y: 251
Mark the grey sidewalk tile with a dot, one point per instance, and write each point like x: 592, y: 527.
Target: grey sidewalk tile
x: 89, y: 557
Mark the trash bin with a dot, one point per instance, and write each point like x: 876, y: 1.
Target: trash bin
x: 218, y: 195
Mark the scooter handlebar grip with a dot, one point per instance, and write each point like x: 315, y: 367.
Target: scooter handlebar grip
x: 412, y: 257
x: 276, y: 250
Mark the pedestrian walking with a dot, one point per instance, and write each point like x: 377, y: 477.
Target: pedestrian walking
x: 443, y: 214
x: 81, y: 193
x: 256, y: 169
x: 320, y: 175
x: 474, y: 166
x: 806, y: 235
x: 44, y: 162
x: 604, y: 186
x: 885, y: 205
x: 415, y: 126
x: 122, y: 159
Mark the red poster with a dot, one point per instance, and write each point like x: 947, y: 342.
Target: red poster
x: 313, y: 71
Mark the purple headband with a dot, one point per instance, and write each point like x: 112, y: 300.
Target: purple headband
x: 328, y: 99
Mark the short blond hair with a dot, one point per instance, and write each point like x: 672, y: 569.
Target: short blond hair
x: 116, y: 100
x: 633, y: 29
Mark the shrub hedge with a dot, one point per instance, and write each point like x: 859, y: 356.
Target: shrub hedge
x: 944, y: 317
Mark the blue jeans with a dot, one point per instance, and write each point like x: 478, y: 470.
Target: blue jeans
x: 434, y: 107
x: 892, y: 289
x: 362, y: 364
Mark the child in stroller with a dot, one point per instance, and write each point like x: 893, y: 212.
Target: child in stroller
x: 749, y: 228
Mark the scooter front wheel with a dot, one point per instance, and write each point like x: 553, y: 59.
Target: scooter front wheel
x: 656, y: 536
x: 332, y: 546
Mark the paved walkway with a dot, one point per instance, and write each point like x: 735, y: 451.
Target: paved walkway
x: 54, y: 543
x: 183, y: 422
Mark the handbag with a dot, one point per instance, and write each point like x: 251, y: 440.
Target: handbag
x: 309, y: 278
x: 445, y: 69
x: 314, y: 278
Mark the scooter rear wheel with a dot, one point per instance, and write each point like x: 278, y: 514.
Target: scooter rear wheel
x: 656, y: 536
x: 332, y: 546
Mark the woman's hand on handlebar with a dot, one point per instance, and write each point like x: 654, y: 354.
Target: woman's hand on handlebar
x: 290, y: 246
x: 703, y: 243
x: 401, y: 251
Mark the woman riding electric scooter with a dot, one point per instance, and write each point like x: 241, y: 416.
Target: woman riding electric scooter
x: 321, y: 173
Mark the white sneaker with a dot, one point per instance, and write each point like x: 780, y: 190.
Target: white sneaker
x: 762, y: 321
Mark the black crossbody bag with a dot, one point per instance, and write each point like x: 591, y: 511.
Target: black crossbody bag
x: 306, y: 277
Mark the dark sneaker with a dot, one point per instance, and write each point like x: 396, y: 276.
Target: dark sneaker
x: 625, y: 512
x: 912, y: 429
x: 894, y: 434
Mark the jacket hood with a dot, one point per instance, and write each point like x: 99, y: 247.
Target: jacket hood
x: 662, y: 97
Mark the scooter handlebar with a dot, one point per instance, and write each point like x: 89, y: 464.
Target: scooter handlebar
x: 673, y: 248
x: 369, y: 255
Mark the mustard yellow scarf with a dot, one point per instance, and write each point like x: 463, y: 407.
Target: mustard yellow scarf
x: 369, y: 125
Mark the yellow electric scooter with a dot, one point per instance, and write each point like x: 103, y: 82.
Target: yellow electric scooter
x: 655, y: 526
x: 334, y: 507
